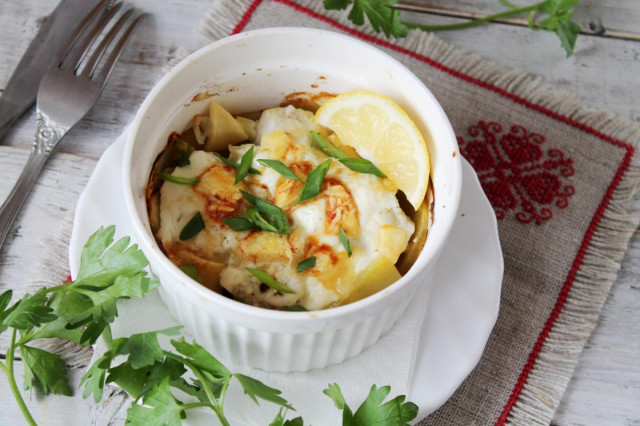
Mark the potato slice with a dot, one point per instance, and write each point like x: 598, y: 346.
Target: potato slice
x: 421, y: 219
x: 249, y: 127
x: 378, y: 275
x: 223, y: 130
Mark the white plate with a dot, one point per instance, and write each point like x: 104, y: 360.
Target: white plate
x: 463, y: 306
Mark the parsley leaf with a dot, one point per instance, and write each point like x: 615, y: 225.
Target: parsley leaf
x: 372, y: 411
x: 201, y: 358
x: 256, y: 389
x: 100, y: 264
x: 44, y: 371
x: 381, y: 16
x: 30, y: 311
x: 160, y: 408
x: 144, y: 348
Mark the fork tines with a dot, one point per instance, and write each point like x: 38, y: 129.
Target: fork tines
x: 92, y: 41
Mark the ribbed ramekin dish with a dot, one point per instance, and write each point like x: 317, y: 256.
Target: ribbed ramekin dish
x: 249, y: 72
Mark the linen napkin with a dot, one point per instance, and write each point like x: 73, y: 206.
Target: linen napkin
x: 560, y: 178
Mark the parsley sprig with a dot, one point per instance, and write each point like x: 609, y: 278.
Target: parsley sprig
x: 79, y: 311
x: 83, y: 310
x: 557, y: 17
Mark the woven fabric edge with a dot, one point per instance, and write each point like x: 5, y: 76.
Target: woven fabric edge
x: 551, y: 373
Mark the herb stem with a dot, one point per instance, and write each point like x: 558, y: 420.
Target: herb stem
x: 216, y: 405
x: 195, y: 405
x: 474, y: 22
x: 12, y: 380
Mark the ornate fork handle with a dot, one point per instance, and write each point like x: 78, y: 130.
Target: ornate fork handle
x: 48, y: 134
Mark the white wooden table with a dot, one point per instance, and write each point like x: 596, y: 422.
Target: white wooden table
x: 605, y: 72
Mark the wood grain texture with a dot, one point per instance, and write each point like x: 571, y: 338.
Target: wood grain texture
x: 604, y: 72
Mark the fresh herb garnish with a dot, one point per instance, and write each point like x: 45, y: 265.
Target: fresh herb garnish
x: 183, y: 161
x: 327, y: 147
x: 314, y: 181
x: 309, y: 262
x: 372, y: 410
x: 245, y: 164
x: 261, y: 222
x: 78, y: 311
x: 191, y: 271
x: 268, y: 280
x: 384, y: 17
x: 236, y: 165
x: 178, y: 179
x: 279, y: 167
x: 295, y: 309
x: 344, y: 240
x: 193, y: 227
x: 362, y: 165
x: 359, y: 165
x: 272, y: 213
x: 240, y: 224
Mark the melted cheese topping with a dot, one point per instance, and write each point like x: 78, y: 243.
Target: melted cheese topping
x: 365, y: 206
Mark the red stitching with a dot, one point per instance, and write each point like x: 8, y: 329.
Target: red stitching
x: 246, y: 17
x: 562, y: 296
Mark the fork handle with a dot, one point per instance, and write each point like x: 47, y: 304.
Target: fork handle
x: 47, y: 136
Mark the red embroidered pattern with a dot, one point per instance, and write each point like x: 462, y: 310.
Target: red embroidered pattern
x: 515, y: 172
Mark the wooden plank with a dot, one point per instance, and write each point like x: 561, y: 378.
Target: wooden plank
x: 617, y: 18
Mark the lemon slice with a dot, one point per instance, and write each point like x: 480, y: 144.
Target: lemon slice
x: 380, y: 131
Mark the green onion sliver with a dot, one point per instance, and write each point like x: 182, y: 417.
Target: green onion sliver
x: 193, y: 227
x: 295, y: 308
x: 344, y: 240
x: 362, y: 165
x: 326, y: 146
x: 275, y: 215
x: 245, y: 164
x: 314, y: 181
x: 309, y: 262
x: 190, y: 270
x: 268, y: 280
x: 261, y: 222
x: 279, y: 167
x: 236, y: 165
x: 240, y: 224
x: 178, y: 179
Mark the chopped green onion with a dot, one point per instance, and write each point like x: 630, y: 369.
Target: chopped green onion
x: 275, y: 215
x: 279, y: 167
x: 295, y: 308
x: 236, y: 165
x: 177, y: 179
x: 190, y: 270
x: 362, y: 165
x: 327, y: 147
x: 309, y: 262
x: 268, y: 280
x: 193, y: 227
x: 344, y: 240
x: 261, y: 222
x: 245, y: 164
x: 314, y: 181
x: 183, y: 161
x: 240, y: 224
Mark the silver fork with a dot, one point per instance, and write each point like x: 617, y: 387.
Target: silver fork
x: 67, y: 92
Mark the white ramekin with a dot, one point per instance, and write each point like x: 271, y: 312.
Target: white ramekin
x: 249, y: 72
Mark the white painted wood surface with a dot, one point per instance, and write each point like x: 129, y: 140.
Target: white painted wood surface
x: 604, y: 71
